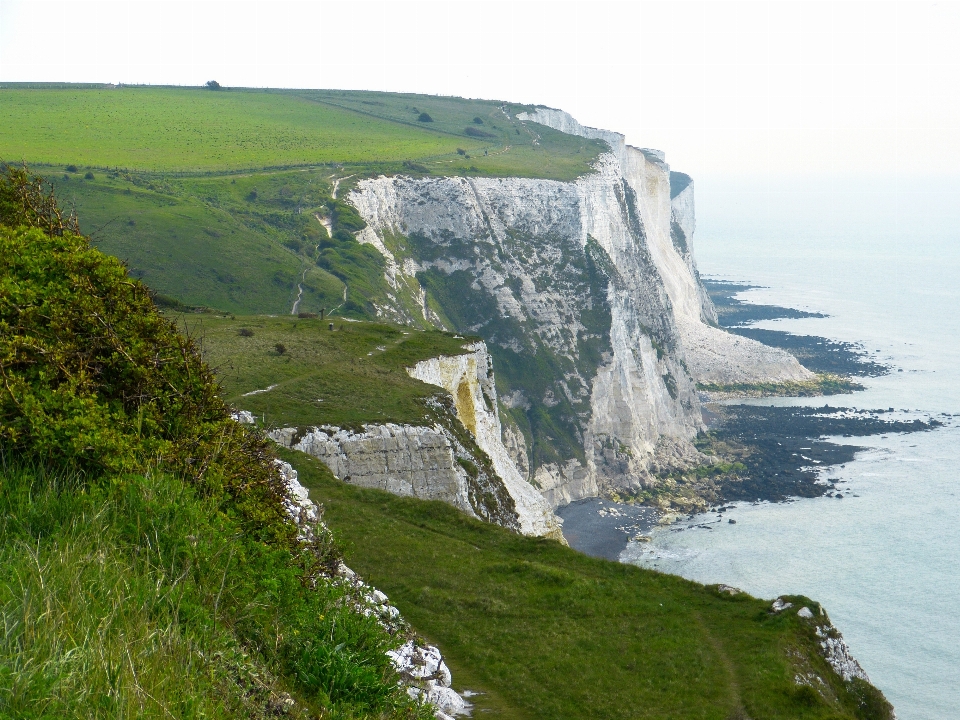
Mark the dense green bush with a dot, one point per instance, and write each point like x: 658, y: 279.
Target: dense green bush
x: 148, y: 567
x: 96, y: 380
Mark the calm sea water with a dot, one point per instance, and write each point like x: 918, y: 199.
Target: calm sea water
x: 883, y: 259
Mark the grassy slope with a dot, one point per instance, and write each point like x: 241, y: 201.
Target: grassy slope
x: 171, y: 129
x: 341, y: 377
x: 547, y: 632
x: 135, y: 598
x: 180, y: 213
x: 204, y: 242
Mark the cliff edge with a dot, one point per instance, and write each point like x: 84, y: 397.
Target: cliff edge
x: 588, y: 296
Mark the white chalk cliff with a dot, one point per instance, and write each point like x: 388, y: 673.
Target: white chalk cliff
x: 469, y: 379
x: 592, y: 282
x: 432, y: 463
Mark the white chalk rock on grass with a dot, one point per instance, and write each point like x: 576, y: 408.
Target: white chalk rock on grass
x: 244, y: 417
x: 429, y: 679
x: 838, y: 655
x: 421, y: 667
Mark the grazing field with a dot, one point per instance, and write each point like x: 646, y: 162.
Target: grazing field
x: 351, y: 375
x: 162, y: 129
x: 223, y: 199
x: 548, y: 633
x: 198, y: 130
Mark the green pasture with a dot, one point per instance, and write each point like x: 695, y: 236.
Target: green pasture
x: 197, y: 130
x: 348, y: 376
x: 546, y: 633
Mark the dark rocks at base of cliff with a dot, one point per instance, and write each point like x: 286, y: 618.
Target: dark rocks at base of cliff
x: 732, y: 312
x: 782, y: 449
x: 819, y: 354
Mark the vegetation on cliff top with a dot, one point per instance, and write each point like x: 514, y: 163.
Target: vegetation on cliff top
x: 546, y: 632
x: 147, y: 565
x: 164, y: 129
x: 351, y: 375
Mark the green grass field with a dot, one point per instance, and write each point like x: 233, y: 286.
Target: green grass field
x: 212, y: 197
x: 548, y: 633
x: 198, y: 130
x: 350, y: 376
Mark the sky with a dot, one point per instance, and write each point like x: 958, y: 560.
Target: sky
x: 807, y: 89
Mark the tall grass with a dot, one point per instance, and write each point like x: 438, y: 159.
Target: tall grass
x: 137, y: 599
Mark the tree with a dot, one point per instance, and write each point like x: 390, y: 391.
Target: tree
x: 213, y: 85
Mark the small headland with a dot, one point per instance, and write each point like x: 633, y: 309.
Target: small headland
x: 842, y: 360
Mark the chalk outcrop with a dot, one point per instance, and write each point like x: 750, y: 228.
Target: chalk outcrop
x: 430, y: 463
x: 474, y: 473
x: 421, y: 666
x: 469, y: 378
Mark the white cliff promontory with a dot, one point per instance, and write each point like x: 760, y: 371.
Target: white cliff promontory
x: 432, y: 463
x: 588, y: 294
x: 712, y: 355
x: 469, y: 379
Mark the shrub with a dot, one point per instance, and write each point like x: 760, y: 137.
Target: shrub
x: 476, y: 132
x: 461, y: 151
x: 424, y: 117
x: 96, y: 380
x: 71, y: 168
x: 478, y: 120
x: 245, y: 332
x: 252, y: 195
x: 280, y: 348
x: 88, y: 175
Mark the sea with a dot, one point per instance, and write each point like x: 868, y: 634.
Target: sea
x: 881, y: 257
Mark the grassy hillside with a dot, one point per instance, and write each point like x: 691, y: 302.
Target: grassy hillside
x: 352, y: 375
x: 192, y: 129
x: 188, y: 186
x: 545, y: 632
x: 216, y: 198
x: 148, y: 564
x: 133, y: 597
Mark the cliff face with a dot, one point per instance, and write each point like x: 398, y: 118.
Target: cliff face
x: 588, y: 297
x: 424, y: 462
x: 463, y: 462
x: 470, y: 381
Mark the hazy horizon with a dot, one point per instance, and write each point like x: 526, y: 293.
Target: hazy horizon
x: 767, y: 89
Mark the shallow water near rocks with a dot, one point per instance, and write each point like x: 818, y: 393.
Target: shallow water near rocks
x: 884, y: 264
x: 602, y: 528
